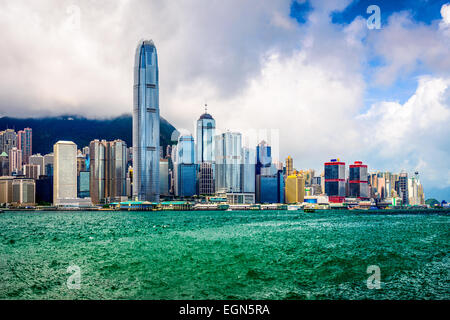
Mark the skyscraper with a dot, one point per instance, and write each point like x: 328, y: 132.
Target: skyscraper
x: 187, y: 169
x: 206, y: 179
x: 402, y: 187
x: 264, y: 159
x: 295, y: 188
x: 358, y: 184
x: 289, y: 166
x: 65, y: 171
x: 24, y: 143
x: 107, y: 170
x: 15, y: 161
x: 248, y: 170
x: 335, y: 180
x: 146, y: 123
x: 228, y: 155
x: 206, y: 126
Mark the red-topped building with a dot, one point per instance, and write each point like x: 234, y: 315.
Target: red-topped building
x: 358, y: 181
x: 335, y: 180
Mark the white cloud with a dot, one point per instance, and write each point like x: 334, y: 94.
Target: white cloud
x: 416, y: 131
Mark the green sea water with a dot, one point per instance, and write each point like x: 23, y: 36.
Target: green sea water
x: 223, y: 255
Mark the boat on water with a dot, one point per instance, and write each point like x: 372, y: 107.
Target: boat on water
x: 309, y: 210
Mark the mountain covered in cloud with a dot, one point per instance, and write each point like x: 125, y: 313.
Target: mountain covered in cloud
x: 48, y: 130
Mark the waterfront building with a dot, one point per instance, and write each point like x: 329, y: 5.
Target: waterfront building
x: 23, y: 192
x: 295, y: 188
x: 335, y: 180
x: 65, y: 172
x: 146, y: 123
x: 228, y: 156
x: 6, y: 192
x: 164, y: 177
x: 25, y: 143
x: 187, y: 179
x: 239, y: 197
x: 32, y: 171
x: 248, y: 170
x: 415, y: 191
x: 8, y: 140
x: 38, y: 159
x: 289, y: 166
x: 358, y: 184
x: 206, y: 179
x: 206, y: 126
x: 4, y: 164
x: 270, y: 189
x: 44, y: 190
x: 108, y: 171
x: 186, y: 169
x: 402, y: 187
x: 15, y: 161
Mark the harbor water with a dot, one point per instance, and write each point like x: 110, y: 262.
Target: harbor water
x: 223, y: 255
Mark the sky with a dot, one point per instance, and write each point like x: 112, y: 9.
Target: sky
x: 310, y: 77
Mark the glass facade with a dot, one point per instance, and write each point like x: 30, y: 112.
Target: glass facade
x: 83, y: 184
x: 187, y: 179
x: 206, y: 126
x: 146, y: 123
x: 228, y: 154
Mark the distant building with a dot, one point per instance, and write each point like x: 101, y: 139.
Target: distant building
x: 248, y: 169
x: 264, y: 159
x: 358, y: 184
x: 187, y: 179
x: 48, y: 164
x: 15, y: 161
x: 38, y: 159
x: 32, y: 171
x: 108, y: 171
x: 289, y: 166
x: 270, y: 189
x: 8, y: 140
x: 83, y: 184
x: 335, y: 180
x: 81, y: 163
x: 206, y: 126
x: 4, y: 164
x: 65, y: 172
x: 228, y: 155
x: 206, y: 179
x: 24, y: 192
x: 295, y: 188
x: 164, y: 177
x: 44, y: 190
x: 25, y: 143
x: 6, y: 192
x: 402, y: 187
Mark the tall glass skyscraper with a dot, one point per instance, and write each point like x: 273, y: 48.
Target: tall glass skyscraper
x: 228, y: 154
x: 206, y: 126
x: 146, y: 123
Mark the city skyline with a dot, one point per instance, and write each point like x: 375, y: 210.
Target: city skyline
x: 383, y: 105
